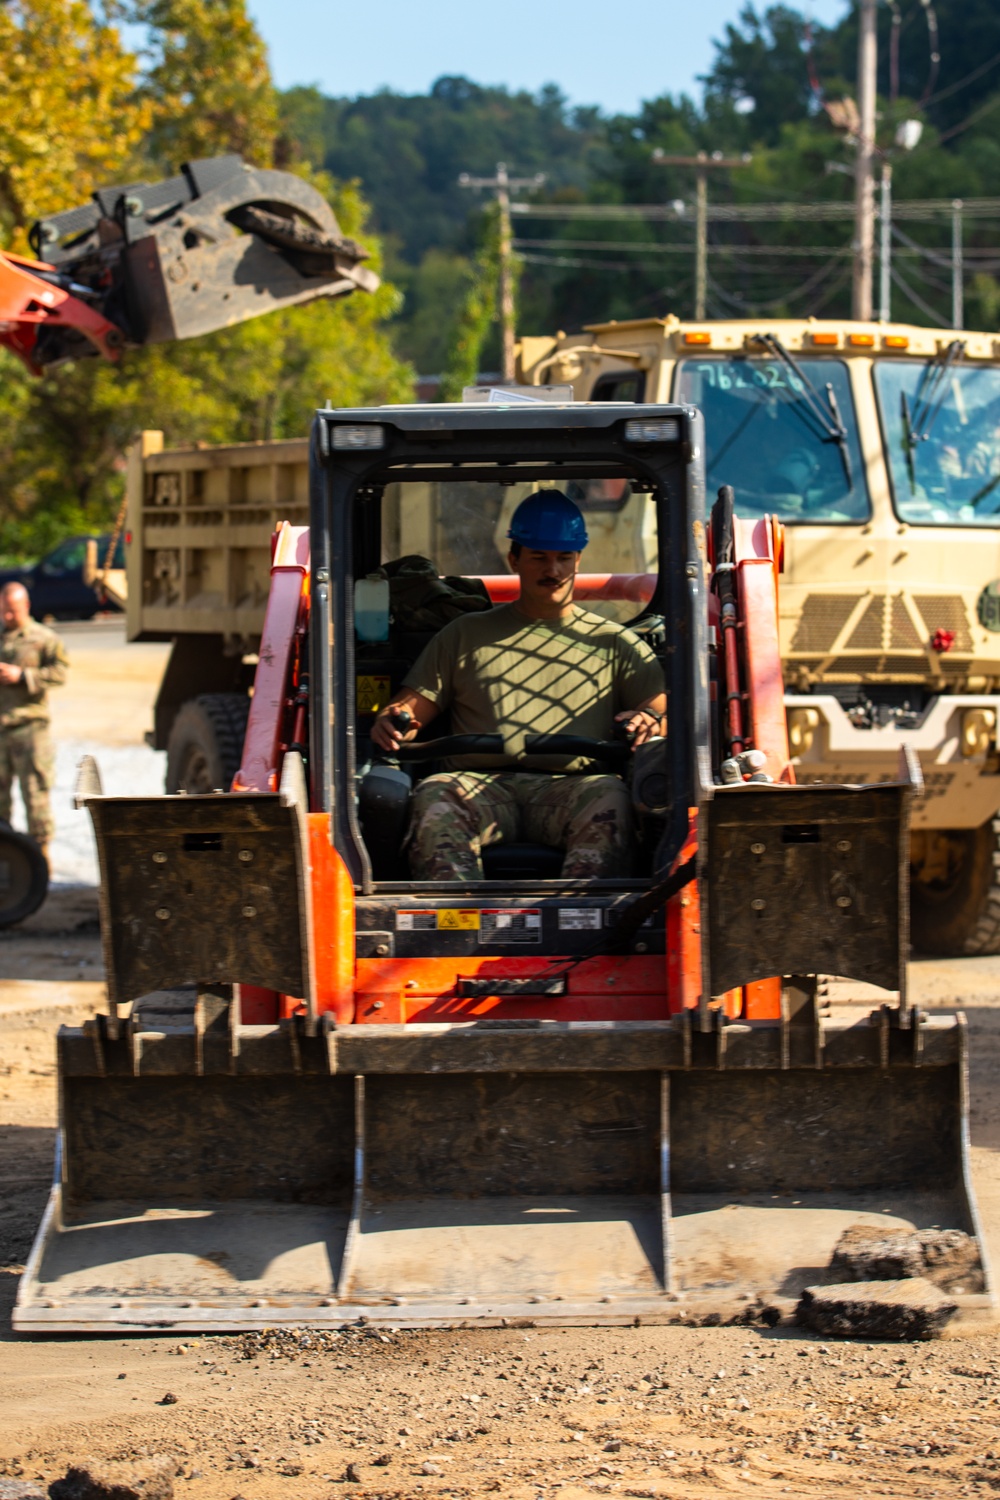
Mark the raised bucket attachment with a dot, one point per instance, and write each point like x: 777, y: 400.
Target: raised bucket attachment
x: 217, y: 1176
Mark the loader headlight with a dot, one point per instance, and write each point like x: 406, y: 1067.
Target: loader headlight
x: 978, y: 731
x: 802, y: 726
x: 354, y: 438
x: 667, y: 430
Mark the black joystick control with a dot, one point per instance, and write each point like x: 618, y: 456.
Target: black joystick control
x: 401, y: 719
x: 623, y: 733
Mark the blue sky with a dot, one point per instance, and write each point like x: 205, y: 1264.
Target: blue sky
x: 598, y: 52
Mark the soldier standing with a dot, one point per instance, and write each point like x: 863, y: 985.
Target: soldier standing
x: 32, y: 660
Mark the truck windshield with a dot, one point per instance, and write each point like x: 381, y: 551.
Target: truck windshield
x: 763, y: 437
x: 942, y: 438
x: 461, y: 527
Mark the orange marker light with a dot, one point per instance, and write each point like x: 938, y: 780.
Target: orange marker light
x: 826, y: 340
x: 861, y: 340
x: 896, y: 341
x: 698, y: 338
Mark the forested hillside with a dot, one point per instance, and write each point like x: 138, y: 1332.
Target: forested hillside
x: 390, y: 164
x: 765, y: 94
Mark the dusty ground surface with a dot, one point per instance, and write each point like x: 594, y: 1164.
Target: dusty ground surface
x: 665, y: 1411
x: 635, y: 1411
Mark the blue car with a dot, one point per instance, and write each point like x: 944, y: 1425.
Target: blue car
x: 55, y: 583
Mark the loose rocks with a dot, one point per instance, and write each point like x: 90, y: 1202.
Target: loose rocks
x: 947, y: 1257
x: 88, y: 1480
x: 20, y: 1489
x: 910, y: 1309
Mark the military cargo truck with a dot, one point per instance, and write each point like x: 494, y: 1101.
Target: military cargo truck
x: 878, y: 446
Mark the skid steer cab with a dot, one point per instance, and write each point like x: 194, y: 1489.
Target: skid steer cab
x: 325, y: 1089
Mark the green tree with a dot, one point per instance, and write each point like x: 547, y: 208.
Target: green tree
x: 65, y: 76
x: 478, y: 311
x: 62, y: 438
x: 208, y: 85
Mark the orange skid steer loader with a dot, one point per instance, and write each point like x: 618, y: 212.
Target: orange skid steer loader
x: 325, y: 1090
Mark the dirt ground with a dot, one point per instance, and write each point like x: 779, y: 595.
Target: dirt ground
x: 650, y: 1411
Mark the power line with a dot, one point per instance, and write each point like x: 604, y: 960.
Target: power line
x: 917, y: 300
x: 953, y: 88
x: 502, y: 185
x: 765, y: 251
x: 702, y: 164
x: 915, y: 209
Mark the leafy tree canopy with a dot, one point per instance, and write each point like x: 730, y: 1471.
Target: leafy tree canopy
x: 203, y: 89
x: 64, y: 76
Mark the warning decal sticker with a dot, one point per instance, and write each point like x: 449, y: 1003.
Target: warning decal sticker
x: 456, y: 920
x: 515, y: 925
x: 416, y: 921
x: 447, y: 919
x: 579, y: 918
x: 371, y: 694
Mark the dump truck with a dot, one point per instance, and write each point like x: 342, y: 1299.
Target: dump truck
x: 878, y: 447
x: 326, y: 1090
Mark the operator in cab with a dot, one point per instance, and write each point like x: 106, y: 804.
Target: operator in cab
x: 541, y: 665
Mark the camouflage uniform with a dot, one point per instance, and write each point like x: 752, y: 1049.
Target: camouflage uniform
x: 500, y: 672
x: 26, y: 751
x: 457, y: 814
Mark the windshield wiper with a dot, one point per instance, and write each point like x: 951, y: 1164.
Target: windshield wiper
x: 930, y: 395
x: 825, y: 413
x: 982, y: 494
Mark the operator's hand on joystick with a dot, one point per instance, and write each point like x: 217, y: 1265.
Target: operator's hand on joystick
x: 637, y: 725
x: 394, y: 725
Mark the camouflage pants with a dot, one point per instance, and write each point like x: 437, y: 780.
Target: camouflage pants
x: 457, y: 814
x: 26, y: 754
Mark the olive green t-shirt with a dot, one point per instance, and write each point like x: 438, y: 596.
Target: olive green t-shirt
x: 501, y: 673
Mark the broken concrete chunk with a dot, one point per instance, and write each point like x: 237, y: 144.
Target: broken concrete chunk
x: 947, y: 1257
x: 951, y: 1260
x: 91, y: 1480
x: 870, y: 1253
x: 909, y: 1309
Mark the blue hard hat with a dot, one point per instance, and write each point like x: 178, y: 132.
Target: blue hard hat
x: 548, y: 521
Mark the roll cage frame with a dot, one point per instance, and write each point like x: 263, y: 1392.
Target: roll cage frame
x: 544, y: 444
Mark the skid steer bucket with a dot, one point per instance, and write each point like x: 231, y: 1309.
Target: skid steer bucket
x: 215, y: 1175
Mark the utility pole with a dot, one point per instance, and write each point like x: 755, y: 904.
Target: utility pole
x: 502, y: 185
x: 885, y: 245
x: 702, y: 164
x: 864, y: 188
x: 957, y: 267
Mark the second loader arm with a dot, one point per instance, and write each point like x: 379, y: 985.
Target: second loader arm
x: 147, y: 263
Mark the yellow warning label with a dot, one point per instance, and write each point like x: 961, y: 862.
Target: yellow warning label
x: 452, y: 918
x: 371, y: 694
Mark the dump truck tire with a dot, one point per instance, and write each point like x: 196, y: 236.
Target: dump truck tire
x: 24, y: 876
x: 960, y: 917
x: 206, y: 743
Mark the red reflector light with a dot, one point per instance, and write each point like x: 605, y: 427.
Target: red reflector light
x: 128, y: 538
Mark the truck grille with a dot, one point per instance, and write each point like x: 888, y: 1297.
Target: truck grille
x: 945, y: 612
x: 904, y: 633
x: 822, y: 619
x: 867, y: 634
